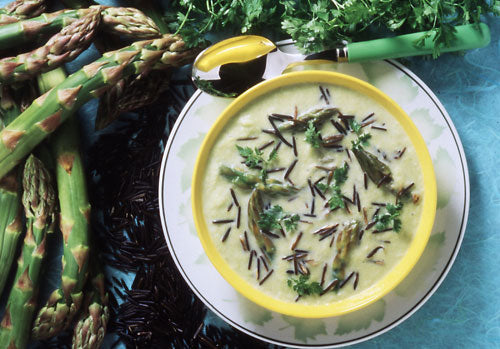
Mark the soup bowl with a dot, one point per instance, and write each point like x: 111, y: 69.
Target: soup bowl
x: 358, y: 242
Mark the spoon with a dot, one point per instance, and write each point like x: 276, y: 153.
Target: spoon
x: 232, y: 66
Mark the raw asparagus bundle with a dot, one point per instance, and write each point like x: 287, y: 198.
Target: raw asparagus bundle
x: 61, y: 48
x: 39, y: 202
x: 21, y: 9
x: 53, y: 108
x: 74, y: 217
x: 347, y: 237
x: 91, y: 326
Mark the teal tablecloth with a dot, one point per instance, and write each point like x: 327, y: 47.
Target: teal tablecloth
x: 465, y: 310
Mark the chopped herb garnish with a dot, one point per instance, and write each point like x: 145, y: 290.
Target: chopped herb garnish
x: 271, y: 218
x: 339, y: 177
x: 291, y: 222
x: 388, y: 218
x: 302, y: 287
x: 355, y: 126
x: 313, y: 137
x: 253, y: 158
x: 362, y: 141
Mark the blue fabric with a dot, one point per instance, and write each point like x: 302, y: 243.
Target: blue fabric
x: 465, y: 310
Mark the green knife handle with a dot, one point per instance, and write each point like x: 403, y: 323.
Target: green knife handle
x: 467, y: 37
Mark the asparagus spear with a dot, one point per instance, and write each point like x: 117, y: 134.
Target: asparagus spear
x: 62, y: 47
x: 10, y: 204
x: 317, y: 116
x: 39, y: 206
x: 246, y: 180
x: 64, y: 302
x: 129, y: 21
x: 378, y: 172
x: 129, y: 94
x: 91, y: 326
x: 255, y: 207
x: 33, y: 29
x: 56, y: 106
x: 21, y: 9
x: 346, y: 238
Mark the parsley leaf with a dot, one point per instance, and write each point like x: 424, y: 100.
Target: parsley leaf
x: 336, y: 199
x: 291, y: 222
x: 302, y: 287
x: 313, y: 137
x: 253, y: 158
x: 340, y: 174
x: 355, y: 126
x: 271, y: 219
x: 390, y: 217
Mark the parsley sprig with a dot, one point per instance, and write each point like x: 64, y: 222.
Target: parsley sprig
x: 272, y: 217
x: 339, y: 177
x: 302, y: 287
x: 363, y: 138
x: 254, y: 159
x: 389, y: 218
x: 313, y: 136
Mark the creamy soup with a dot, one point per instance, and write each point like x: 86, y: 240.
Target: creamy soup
x: 312, y: 193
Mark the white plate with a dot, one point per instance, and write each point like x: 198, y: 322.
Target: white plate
x: 452, y: 211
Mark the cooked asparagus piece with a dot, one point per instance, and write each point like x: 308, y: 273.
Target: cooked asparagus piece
x: 21, y: 9
x: 378, y: 172
x: 61, y: 48
x: 246, y: 180
x: 130, y: 22
x: 255, y: 207
x: 35, y: 28
x: 317, y: 116
x: 53, y: 108
x: 91, y: 326
x: 39, y: 201
x: 345, y: 240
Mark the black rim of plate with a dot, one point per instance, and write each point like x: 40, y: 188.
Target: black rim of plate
x: 392, y: 324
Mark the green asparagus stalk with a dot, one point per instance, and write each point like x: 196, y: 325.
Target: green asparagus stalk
x: 74, y: 216
x: 53, y: 108
x: 317, y: 116
x: 247, y: 180
x: 65, y: 302
x: 378, y: 172
x: 130, y: 22
x: 346, y: 239
x: 35, y: 28
x: 21, y: 9
x: 129, y: 94
x: 39, y: 206
x: 10, y: 203
x: 92, y: 324
x: 255, y: 207
x: 61, y: 48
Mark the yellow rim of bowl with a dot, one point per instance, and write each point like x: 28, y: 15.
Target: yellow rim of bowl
x: 392, y: 278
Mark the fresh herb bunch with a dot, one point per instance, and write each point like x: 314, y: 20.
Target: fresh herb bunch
x: 339, y: 177
x: 271, y: 219
x: 302, y: 287
x: 316, y: 25
x: 390, y: 217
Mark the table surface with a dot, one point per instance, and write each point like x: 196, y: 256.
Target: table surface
x: 465, y: 310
